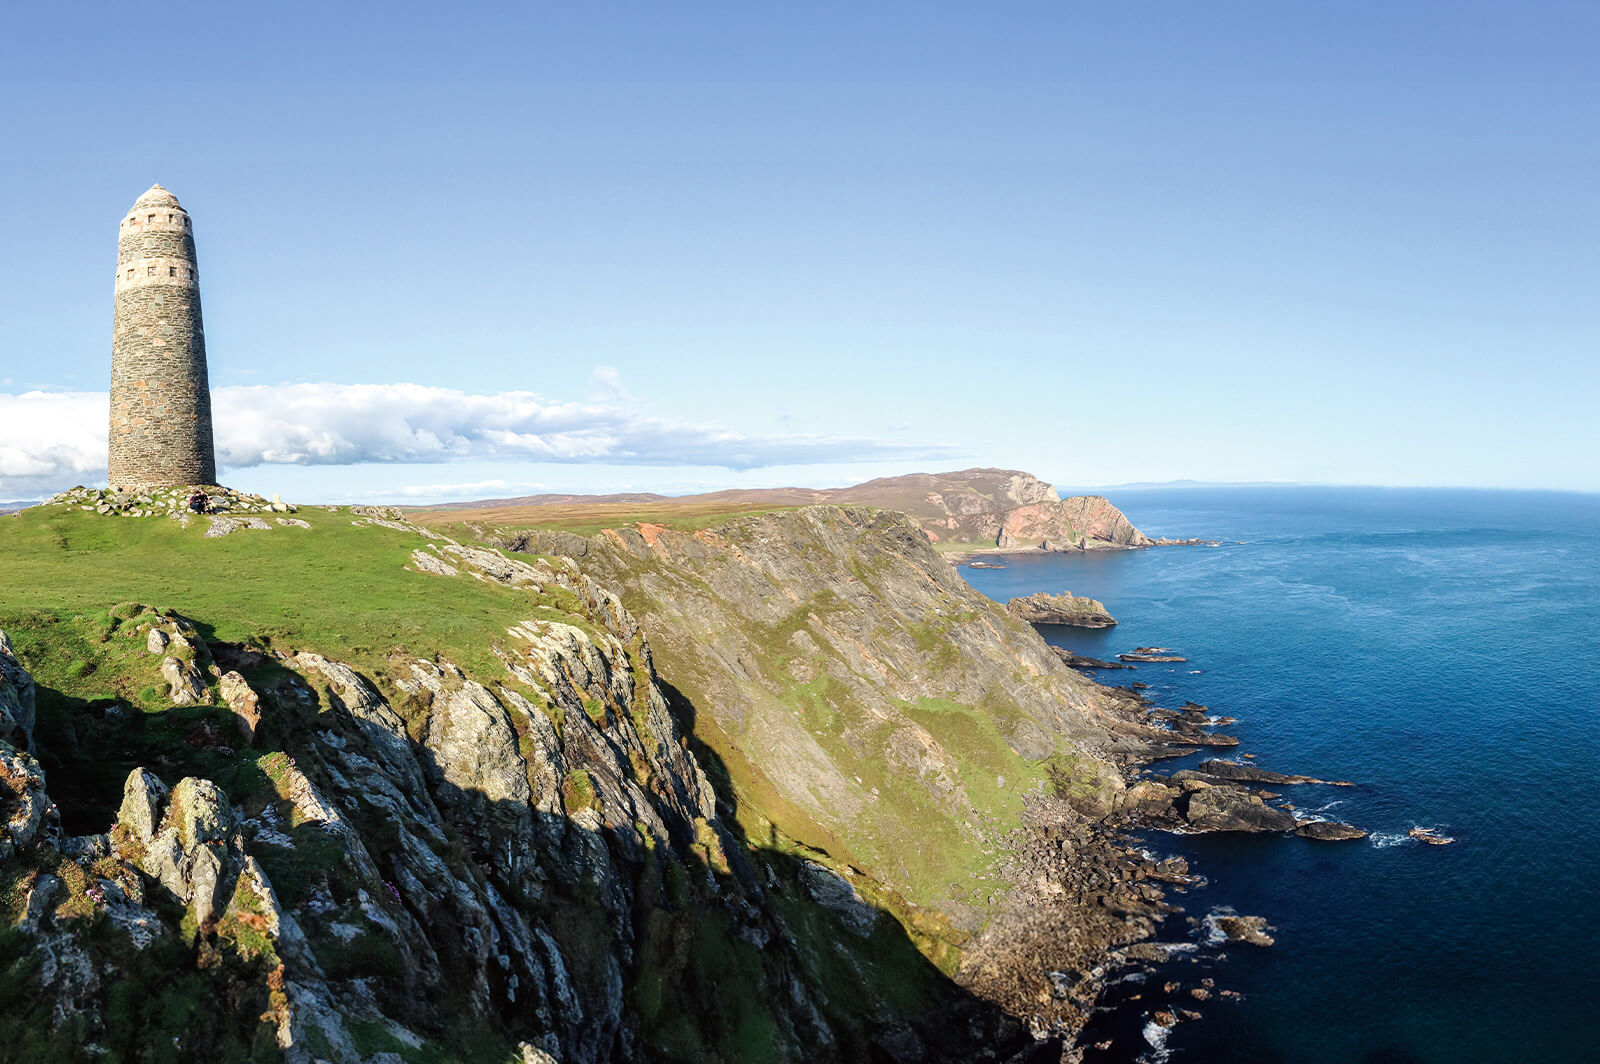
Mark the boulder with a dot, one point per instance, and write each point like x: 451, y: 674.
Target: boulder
x: 200, y: 812
x: 1328, y: 831
x: 24, y: 807
x: 1431, y: 836
x: 1250, y: 929
x: 186, y: 685
x: 1149, y: 798
x: 17, y: 699
x: 1066, y: 608
x: 1228, y: 809
x: 244, y: 702
x: 144, y: 796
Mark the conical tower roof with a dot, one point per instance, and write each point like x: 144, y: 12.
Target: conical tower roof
x: 156, y: 197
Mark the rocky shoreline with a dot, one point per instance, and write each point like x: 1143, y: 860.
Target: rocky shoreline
x: 1090, y: 900
x: 968, y: 556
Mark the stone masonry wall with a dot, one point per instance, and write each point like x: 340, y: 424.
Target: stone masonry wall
x: 160, y: 395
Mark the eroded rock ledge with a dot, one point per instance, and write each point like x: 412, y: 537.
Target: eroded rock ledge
x: 1066, y: 608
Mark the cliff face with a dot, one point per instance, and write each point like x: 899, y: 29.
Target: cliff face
x: 783, y: 789
x: 863, y: 697
x: 999, y: 508
x: 969, y: 508
x: 246, y: 848
x: 1083, y: 522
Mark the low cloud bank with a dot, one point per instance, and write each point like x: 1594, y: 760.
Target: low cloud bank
x: 52, y: 440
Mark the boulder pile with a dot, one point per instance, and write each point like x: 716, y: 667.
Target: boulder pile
x: 166, y: 502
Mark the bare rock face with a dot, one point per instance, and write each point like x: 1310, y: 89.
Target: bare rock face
x: 1329, y: 831
x: 244, y: 702
x: 1065, y: 608
x: 17, y: 699
x: 24, y: 808
x: 1084, y: 522
x: 1249, y: 929
x: 144, y: 797
x: 180, y: 838
x: 186, y: 684
x: 1232, y: 809
x: 829, y: 888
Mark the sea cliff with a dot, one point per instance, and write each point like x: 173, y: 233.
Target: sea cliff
x: 780, y: 788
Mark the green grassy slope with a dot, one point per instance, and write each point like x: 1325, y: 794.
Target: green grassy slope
x: 339, y: 588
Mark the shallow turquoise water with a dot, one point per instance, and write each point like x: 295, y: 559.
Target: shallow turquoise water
x: 1442, y: 650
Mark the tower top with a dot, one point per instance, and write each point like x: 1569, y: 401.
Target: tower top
x: 156, y: 197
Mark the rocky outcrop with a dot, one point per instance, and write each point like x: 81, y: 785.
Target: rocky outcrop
x: 1329, y: 831
x: 1084, y: 522
x: 242, y: 699
x: 17, y: 699
x: 1235, y: 928
x: 1065, y: 608
x: 1230, y: 809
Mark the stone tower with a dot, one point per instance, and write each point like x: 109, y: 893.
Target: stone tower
x: 160, y: 397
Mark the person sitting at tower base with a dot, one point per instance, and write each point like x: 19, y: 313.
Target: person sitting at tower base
x: 199, y: 502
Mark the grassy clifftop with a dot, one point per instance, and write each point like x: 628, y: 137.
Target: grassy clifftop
x: 463, y: 758
x: 340, y: 586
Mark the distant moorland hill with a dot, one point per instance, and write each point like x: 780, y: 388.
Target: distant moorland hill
x: 965, y: 510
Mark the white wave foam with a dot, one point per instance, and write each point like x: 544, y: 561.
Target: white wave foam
x: 1383, y: 840
x: 1215, y: 935
x: 1155, y: 1036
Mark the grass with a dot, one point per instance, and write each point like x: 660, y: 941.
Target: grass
x: 340, y: 589
x: 972, y: 547
x: 585, y: 519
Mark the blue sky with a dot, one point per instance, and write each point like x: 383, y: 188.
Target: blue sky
x: 683, y: 246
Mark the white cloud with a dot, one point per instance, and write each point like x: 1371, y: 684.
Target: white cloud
x: 50, y: 440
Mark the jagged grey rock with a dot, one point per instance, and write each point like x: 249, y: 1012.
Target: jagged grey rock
x: 1231, y: 809
x: 18, y: 698
x: 245, y: 704
x: 426, y: 562
x: 829, y: 888
x: 185, y: 683
x: 144, y: 797
x: 24, y: 806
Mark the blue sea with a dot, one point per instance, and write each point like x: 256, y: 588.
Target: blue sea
x: 1441, y: 649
